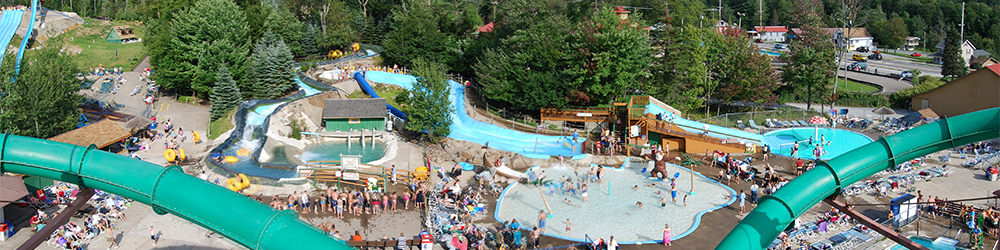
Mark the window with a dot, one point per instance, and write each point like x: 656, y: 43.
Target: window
x: 353, y: 120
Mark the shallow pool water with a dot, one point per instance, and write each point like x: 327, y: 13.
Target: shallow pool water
x: 838, y: 141
x: 927, y: 243
x: 610, y: 209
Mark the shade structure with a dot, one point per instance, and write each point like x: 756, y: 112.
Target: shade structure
x: 11, y: 188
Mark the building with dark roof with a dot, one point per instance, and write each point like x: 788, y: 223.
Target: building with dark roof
x: 357, y: 114
x: 976, y: 91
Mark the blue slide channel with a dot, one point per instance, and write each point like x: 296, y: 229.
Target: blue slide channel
x: 465, y: 128
x: 9, y: 21
x: 713, y: 131
x: 371, y: 92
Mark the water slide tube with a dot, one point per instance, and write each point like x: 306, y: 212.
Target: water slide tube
x: 27, y: 36
x: 713, y: 131
x: 775, y: 212
x: 371, y: 92
x: 167, y: 189
x: 9, y: 22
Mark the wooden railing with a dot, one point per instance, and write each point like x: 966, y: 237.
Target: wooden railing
x: 673, y: 129
x: 577, y: 114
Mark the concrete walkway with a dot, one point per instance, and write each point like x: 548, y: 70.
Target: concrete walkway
x: 862, y: 112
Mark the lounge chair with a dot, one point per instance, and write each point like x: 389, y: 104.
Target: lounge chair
x: 769, y: 123
x: 753, y: 125
x: 787, y: 124
x: 804, y: 123
x: 739, y: 124
x: 797, y: 124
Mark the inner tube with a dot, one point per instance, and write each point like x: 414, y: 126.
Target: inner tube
x: 243, y: 180
x: 231, y: 159
x: 181, y: 155
x: 233, y: 184
x: 243, y: 152
x: 170, y: 155
x: 197, y: 136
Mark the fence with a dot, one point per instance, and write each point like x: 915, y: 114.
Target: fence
x: 731, y: 119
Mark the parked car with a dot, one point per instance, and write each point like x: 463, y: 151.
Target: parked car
x: 875, y: 56
x: 906, y: 75
x: 915, y: 54
x: 862, y: 49
x: 859, y: 57
x: 780, y: 46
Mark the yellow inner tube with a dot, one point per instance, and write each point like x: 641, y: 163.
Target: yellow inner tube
x: 232, y: 159
x: 243, y: 152
x: 197, y: 136
x: 232, y: 184
x: 170, y: 155
x: 181, y: 154
x: 244, y: 181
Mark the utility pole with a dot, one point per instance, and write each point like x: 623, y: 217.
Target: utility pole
x: 962, y: 36
x: 666, y: 6
x: 760, y: 13
x: 740, y: 26
x: 720, y: 11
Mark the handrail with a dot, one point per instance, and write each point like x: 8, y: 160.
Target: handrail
x: 687, y: 135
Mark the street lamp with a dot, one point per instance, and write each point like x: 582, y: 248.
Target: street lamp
x: 700, y: 21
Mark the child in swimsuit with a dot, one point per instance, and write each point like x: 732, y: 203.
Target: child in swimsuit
x: 568, y: 225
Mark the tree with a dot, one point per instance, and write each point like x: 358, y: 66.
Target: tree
x: 890, y: 33
x: 743, y: 73
x: 225, y: 94
x: 811, y: 66
x: 415, y: 34
x: 270, y: 74
x: 953, y: 64
x: 43, y: 102
x: 609, y: 56
x: 427, y: 107
x: 288, y: 28
x: 309, y: 45
x: 679, y: 75
x: 204, y: 36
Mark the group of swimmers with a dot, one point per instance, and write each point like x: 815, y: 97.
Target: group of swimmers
x: 663, y: 202
x: 356, y: 202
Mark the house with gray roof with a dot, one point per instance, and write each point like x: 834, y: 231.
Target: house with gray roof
x: 357, y: 114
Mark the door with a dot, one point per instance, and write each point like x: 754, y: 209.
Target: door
x: 924, y: 103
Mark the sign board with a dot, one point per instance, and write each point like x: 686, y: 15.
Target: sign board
x: 584, y: 114
x: 351, y: 176
x: 337, y: 173
x: 634, y: 131
x: 350, y: 162
x: 904, y: 209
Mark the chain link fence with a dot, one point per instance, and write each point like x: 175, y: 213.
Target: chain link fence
x: 760, y: 117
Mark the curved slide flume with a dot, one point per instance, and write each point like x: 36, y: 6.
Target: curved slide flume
x: 371, y: 92
x: 774, y: 213
x: 168, y: 190
x: 27, y: 36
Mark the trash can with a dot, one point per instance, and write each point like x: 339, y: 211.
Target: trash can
x: 426, y: 241
x: 993, y: 177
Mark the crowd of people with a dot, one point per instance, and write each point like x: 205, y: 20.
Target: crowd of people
x: 15, y: 7
x: 98, y: 218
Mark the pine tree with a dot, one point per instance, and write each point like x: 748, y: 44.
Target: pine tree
x: 225, y: 94
x: 309, y: 44
x: 428, y: 108
x: 270, y: 72
x: 953, y: 64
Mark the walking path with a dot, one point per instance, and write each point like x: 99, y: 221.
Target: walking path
x: 863, y: 112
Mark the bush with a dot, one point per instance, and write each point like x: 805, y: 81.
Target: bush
x: 296, y: 129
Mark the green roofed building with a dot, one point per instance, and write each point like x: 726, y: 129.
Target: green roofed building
x: 357, y: 114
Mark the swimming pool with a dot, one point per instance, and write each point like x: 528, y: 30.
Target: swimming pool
x: 331, y: 151
x: 609, y: 210
x: 838, y: 141
x: 938, y: 244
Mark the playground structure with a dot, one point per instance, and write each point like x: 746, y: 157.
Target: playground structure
x: 775, y: 212
x: 644, y: 126
x: 243, y: 220
x: 364, y: 176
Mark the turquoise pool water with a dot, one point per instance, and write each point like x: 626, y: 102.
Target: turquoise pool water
x: 331, y: 151
x: 838, y: 141
x: 769, y: 53
x: 927, y: 243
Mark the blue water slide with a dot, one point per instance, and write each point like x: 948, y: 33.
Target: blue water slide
x: 27, y: 35
x: 9, y: 21
x: 371, y: 92
x: 713, y: 131
x: 465, y: 128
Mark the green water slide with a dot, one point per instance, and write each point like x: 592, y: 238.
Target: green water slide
x: 775, y: 212
x: 168, y: 190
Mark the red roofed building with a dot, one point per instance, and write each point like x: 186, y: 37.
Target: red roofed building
x: 486, y: 28
x: 775, y: 34
x: 976, y: 91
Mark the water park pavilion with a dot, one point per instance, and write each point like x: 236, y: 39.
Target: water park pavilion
x: 356, y: 114
x: 121, y: 34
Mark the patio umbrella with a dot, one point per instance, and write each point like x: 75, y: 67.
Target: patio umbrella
x: 11, y: 188
x: 816, y: 121
x: 884, y: 111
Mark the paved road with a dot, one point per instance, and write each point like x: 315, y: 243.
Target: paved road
x: 889, y: 85
x: 897, y: 63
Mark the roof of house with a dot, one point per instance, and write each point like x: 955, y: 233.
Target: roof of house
x: 771, y: 29
x: 928, y: 113
x: 979, y: 52
x: 855, y: 32
x: 354, y: 108
x: 486, y: 28
x: 912, y: 38
x: 102, y: 134
x: 940, y: 44
x: 995, y: 68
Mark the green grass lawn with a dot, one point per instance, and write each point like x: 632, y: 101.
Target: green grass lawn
x: 89, y: 49
x: 853, y: 86
x: 386, y: 91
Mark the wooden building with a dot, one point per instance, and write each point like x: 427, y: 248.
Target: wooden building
x: 357, y: 114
